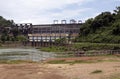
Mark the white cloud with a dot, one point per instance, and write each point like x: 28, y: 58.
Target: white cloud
x: 36, y: 11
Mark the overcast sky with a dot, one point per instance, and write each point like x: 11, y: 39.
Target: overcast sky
x: 45, y: 11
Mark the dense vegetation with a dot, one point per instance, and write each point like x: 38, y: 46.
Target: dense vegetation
x: 8, y: 34
x: 104, y: 28
x: 4, y: 30
x: 99, y: 33
x: 81, y: 46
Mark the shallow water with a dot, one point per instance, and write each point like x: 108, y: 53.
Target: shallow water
x: 24, y: 54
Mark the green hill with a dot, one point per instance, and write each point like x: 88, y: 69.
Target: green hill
x: 104, y: 28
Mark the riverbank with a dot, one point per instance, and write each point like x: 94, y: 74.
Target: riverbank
x: 81, y: 46
x: 109, y: 68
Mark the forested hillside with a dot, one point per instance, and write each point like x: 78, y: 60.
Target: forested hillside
x: 104, y: 28
x: 5, y: 23
x: 7, y: 30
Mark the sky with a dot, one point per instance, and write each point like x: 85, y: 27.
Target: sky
x: 45, y: 11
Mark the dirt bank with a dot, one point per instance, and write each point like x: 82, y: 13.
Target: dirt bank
x: 59, y: 71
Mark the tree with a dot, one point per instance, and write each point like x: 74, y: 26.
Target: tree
x: 103, y: 28
x: 5, y: 23
x: 102, y: 20
x: 15, y: 32
x: 3, y: 38
x: 22, y: 39
x: 60, y: 41
x: 117, y: 11
x: 85, y: 28
x: 116, y: 28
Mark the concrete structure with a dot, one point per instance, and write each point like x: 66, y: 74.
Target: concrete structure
x: 50, y: 32
x: 49, y: 37
x: 56, y: 28
x: 24, y: 28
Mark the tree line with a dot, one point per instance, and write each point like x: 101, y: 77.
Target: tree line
x: 9, y: 31
x: 104, y: 28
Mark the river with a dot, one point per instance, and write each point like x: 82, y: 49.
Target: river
x: 24, y: 54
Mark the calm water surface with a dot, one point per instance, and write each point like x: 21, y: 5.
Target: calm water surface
x: 24, y: 54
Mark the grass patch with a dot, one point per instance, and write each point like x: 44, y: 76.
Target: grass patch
x: 92, y: 59
x: 13, y: 54
x: 88, y: 47
x: 56, y: 62
x: 97, y: 71
x: 15, y: 61
x: 96, y: 46
x: 70, y: 62
x: 98, y: 59
x: 54, y: 49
